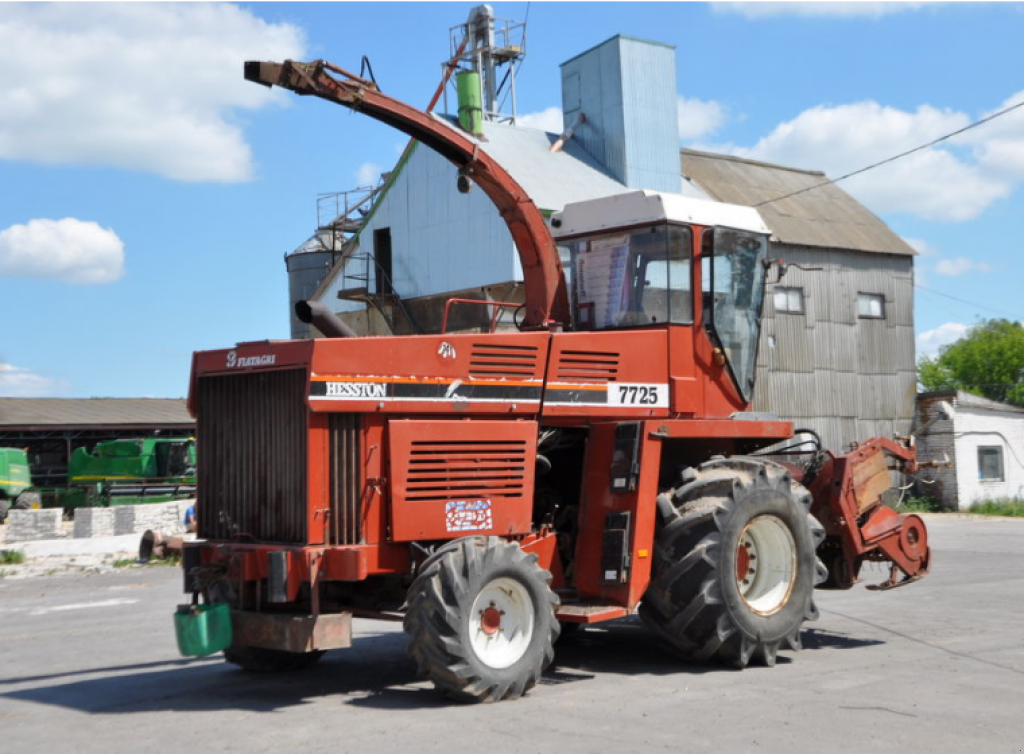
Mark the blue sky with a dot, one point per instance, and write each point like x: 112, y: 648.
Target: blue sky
x: 149, y: 193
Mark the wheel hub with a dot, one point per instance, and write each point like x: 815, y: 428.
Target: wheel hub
x: 490, y: 620
x: 766, y: 565
x: 501, y: 622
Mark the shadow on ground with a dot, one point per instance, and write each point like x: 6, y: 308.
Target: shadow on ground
x: 375, y: 672
x: 817, y: 638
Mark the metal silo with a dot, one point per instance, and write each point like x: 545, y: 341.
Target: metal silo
x: 307, y: 266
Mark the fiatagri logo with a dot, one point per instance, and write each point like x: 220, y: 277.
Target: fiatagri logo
x: 263, y: 360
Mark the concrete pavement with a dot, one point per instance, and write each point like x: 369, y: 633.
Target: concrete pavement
x: 88, y: 662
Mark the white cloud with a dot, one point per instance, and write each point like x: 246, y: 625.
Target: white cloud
x: 549, y: 120
x: 921, y: 246
x: 140, y: 86
x: 697, y: 118
x: 935, y: 184
x: 928, y: 343
x: 999, y: 144
x: 18, y: 382
x: 74, y: 251
x: 960, y: 265
x: 842, y: 10
x: 368, y: 174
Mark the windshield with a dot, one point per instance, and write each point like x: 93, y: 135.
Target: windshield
x: 630, y: 278
x: 735, y: 274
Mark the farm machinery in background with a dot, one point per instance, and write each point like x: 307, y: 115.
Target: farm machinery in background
x: 490, y: 489
x: 116, y: 472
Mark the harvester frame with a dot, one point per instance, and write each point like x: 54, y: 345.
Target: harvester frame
x: 489, y: 488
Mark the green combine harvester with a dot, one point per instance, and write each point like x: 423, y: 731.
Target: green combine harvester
x: 15, y: 482
x: 116, y: 472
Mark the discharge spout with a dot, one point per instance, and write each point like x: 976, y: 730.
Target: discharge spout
x: 323, y: 319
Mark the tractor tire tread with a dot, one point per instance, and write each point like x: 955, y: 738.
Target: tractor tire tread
x: 685, y: 606
x: 437, y: 607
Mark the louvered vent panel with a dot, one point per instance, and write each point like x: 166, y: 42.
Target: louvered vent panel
x: 346, y: 462
x: 460, y: 478
x: 472, y: 469
x: 587, y: 366
x: 497, y: 360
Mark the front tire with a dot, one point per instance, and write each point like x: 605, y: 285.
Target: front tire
x: 481, y: 620
x: 734, y: 565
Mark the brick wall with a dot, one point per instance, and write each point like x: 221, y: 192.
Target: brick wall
x: 934, y: 444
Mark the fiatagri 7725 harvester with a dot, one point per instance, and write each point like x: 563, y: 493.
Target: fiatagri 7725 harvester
x: 492, y: 489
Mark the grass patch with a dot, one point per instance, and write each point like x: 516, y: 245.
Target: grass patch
x: 920, y: 505
x: 125, y: 562
x: 999, y: 507
x: 11, y: 557
x: 172, y: 559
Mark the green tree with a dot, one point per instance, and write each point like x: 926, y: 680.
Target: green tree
x: 987, y: 361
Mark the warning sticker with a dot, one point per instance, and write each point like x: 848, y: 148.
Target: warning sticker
x: 468, y: 515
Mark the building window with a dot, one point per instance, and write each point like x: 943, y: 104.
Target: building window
x: 789, y: 300
x: 990, y: 464
x: 870, y: 306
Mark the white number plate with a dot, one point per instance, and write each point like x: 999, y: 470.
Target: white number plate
x: 636, y: 394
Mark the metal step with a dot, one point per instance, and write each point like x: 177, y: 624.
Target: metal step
x: 590, y: 612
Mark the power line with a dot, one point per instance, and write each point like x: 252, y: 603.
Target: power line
x: 932, y: 143
x: 970, y: 303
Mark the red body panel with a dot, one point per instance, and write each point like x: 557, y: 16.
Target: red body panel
x: 461, y: 478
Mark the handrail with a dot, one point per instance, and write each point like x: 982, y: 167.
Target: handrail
x: 494, y: 318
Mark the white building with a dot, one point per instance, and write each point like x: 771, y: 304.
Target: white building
x: 985, y: 441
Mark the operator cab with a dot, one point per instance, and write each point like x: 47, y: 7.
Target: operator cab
x: 629, y: 263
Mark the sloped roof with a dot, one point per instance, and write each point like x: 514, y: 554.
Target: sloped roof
x: 95, y: 412
x: 970, y: 400
x: 826, y: 217
x: 552, y: 179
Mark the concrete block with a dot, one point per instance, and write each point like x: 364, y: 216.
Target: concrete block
x: 24, y: 526
x: 167, y: 518
x: 94, y: 522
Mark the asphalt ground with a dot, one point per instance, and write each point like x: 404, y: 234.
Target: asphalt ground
x: 88, y: 664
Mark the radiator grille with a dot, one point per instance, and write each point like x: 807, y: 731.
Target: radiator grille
x: 252, y: 450
x: 497, y: 360
x: 461, y: 470
x: 587, y: 366
x: 346, y: 522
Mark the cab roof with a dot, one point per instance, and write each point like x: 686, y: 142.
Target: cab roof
x: 641, y: 207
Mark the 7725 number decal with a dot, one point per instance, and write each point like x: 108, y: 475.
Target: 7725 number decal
x: 640, y: 395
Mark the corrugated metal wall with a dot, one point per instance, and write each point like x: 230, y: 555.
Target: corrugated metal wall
x: 441, y: 240
x: 627, y: 89
x: 845, y: 377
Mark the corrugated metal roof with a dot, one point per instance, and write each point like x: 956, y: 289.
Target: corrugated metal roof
x: 827, y: 217
x: 552, y: 179
x: 105, y: 412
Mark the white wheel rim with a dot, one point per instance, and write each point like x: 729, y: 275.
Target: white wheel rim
x: 501, y: 623
x: 766, y: 564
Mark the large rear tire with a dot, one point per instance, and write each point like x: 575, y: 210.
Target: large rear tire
x: 28, y: 501
x: 481, y: 620
x: 734, y: 565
